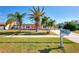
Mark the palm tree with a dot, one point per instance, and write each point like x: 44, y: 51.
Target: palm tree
x: 9, y: 22
x: 50, y: 24
x: 18, y: 17
x: 36, y: 15
x: 44, y: 20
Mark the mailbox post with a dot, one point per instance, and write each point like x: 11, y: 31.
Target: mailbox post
x: 61, y: 39
x: 62, y: 33
x: 61, y: 36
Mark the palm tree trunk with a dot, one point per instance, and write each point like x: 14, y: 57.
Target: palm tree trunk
x: 49, y: 30
x: 19, y: 28
x: 37, y: 26
x: 17, y: 22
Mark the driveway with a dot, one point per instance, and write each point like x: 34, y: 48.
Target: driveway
x: 72, y: 36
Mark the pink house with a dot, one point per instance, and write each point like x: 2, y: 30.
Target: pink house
x: 29, y: 27
x: 23, y: 27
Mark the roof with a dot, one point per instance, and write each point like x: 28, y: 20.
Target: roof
x: 2, y: 24
x: 28, y: 24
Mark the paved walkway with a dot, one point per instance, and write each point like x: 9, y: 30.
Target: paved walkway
x: 34, y: 36
x: 72, y: 36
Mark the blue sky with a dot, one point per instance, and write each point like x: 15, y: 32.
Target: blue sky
x: 58, y: 13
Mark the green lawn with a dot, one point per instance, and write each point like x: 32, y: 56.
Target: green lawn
x: 37, y: 45
x: 77, y: 31
x: 25, y: 32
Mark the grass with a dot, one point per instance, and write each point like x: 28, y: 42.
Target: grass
x: 25, y: 32
x: 77, y: 31
x: 37, y: 45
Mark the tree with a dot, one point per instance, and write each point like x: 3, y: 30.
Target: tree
x: 50, y: 24
x: 10, y: 21
x: 44, y: 20
x: 70, y: 26
x: 18, y: 17
x: 36, y: 15
x: 77, y: 23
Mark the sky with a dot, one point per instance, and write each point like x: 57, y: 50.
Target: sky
x: 58, y: 13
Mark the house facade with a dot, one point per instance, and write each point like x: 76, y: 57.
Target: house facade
x: 29, y: 27
x: 2, y: 26
x: 13, y: 26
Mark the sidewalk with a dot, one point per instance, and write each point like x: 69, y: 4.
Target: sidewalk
x: 73, y: 37
x: 34, y: 36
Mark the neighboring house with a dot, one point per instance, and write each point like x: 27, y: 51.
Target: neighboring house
x: 2, y: 26
x: 25, y: 26
x: 14, y: 26
x: 28, y: 27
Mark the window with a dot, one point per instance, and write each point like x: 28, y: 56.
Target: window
x: 44, y: 26
x: 27, y: 26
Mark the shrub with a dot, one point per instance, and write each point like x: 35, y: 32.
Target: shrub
x: 77, y: 26
x: 70, y: 26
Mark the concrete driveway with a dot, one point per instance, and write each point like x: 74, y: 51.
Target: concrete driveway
x: 72, y: 36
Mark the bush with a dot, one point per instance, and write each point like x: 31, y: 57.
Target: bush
x: 70, y: 26
x: 77, y: 26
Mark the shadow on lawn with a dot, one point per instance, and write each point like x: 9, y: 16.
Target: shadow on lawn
x: 7, y: 33
x: 47, y: 50
x: 23, y: 33
x: 33, y: 33
x: 39, y: 42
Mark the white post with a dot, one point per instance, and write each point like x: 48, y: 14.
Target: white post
x: 61, y: 39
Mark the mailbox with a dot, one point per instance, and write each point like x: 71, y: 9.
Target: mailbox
x: 66, y: 32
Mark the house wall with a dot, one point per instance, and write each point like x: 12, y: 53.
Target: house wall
x: 1, y: 27
x: 28, y: 27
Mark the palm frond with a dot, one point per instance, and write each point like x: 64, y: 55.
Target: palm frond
x: 18, y: 17
x: 30, y: 14
x: 35, y: 9
x: 10, y: 20
x: 42, y: 9
x: 38, y: 9
x: 43, y: 13
x: 23, y: 15
x: 11, y: 15
x: 36, y: 15
x: 17, y: 13
x: 32, y: 11
x: 44, y: 20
